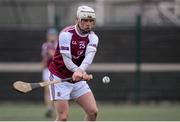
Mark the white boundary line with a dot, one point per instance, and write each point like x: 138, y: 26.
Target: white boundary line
x: 96, y: 67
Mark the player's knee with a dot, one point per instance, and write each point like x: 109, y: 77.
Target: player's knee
x: 93, y: 112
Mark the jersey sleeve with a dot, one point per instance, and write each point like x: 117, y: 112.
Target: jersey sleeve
x: 65, y: 50
x: 64, y: 42
x: 93, y: 43
x: 90, y: 52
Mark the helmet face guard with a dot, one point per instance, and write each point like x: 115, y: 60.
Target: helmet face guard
x: 85, y: 13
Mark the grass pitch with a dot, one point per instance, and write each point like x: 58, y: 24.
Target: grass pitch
x: 107, y: 112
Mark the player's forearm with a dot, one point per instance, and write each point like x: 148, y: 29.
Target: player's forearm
x: 69, y: 63
x: 87, y: 60
x: 44, y: 62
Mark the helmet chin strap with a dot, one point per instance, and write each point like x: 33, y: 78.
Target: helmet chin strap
x: 82, y: 31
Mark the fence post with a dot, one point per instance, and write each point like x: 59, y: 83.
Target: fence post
x: 138, y: 60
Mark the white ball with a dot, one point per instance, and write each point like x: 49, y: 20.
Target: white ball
x: 105, y: 79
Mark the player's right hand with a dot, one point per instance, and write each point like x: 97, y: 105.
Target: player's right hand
x: 77, y: 75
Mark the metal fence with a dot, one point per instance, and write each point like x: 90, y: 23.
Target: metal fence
x: 116, y: 57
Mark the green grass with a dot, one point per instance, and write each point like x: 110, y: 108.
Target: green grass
x: 107, y: 112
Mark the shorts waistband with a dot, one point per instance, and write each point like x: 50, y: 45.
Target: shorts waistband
x: 71, y: 81
x: 51, y: 78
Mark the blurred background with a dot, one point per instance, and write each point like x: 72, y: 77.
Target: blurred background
x: 138, y: 49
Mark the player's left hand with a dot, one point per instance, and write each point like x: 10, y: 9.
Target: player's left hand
x: 86, y: 76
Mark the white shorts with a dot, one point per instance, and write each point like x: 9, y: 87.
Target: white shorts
x: 66, y: 90
x: 45, y: 74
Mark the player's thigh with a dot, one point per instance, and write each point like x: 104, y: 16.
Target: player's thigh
x: 88, y: 102
x: 46, y: 90
x: 61, y: 106
x: 60, y: 91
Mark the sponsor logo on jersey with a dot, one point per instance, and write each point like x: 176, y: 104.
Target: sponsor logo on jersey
x: 80, y: 52
x: 82, y: 45
x: 75, y: 57
x: 64, y: 48
x: 74, y: 42
x: 93, y: 45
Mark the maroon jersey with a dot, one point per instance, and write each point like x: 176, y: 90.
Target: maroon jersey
x: 70, y: 41
x: 47, y: 46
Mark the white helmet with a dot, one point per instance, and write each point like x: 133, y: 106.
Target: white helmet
x: 85, y: 12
